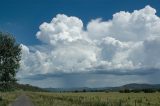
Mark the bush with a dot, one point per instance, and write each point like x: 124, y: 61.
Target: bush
x: 158, y: 90
x: 125, y: 91
x: 5, y: 87
x: 84, y: 90
x: 136, y: 91
x: 106, y: 91
x: 0, y: 98
x: 149, y: 90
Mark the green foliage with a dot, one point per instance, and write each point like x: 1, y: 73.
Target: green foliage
x: 138, y: 90
x: 27, y: 87
x: 10, y: 55
x: 0, y: 98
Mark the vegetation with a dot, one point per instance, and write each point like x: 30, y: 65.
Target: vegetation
x: 95, y: 99
x: 10, y: 55
x: 8, y: 97
x: 139, y: 90
x: 27, y: 87
x: 84, y: 98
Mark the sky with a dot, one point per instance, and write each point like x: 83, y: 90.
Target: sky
x: 85, y: 43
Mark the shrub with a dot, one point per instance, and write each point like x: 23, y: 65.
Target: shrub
x: 125, y: 91
x: 148, y: 90
x: 0, y: 98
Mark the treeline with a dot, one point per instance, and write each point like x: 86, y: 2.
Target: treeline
x: 84, y: 90
x: 79, y: 91
x: 23, y: 87
x: 139, y: 90
x: 121, y: 91
x: 27, y: 87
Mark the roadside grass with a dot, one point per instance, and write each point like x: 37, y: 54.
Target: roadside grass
x: 95, y: 99
x: 8, y: 97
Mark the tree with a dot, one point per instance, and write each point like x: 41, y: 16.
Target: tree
x: 10, y: 55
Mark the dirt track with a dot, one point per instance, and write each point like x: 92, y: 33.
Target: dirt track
x: 22, y: 100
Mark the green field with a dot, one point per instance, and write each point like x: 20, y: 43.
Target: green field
x: 85, y: 99
x: 95, y: 99
x: 8, y: 97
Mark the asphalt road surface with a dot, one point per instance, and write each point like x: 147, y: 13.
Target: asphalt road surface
x: 22, y: 100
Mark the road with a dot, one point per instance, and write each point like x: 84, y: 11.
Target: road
x: 22, y: 100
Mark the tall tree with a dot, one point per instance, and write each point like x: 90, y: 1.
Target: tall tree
x: 10, y: 55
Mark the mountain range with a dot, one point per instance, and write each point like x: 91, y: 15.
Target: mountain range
x: 132, y: 86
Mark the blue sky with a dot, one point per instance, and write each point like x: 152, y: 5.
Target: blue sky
x: 85, y: 43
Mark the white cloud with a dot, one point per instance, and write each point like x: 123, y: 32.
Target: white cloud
x: 128, y: 41
x: 60, y: 29
x: 125, y: 26
x: 152, y: 52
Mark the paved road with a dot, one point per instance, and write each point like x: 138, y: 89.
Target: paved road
x: 22, y: 100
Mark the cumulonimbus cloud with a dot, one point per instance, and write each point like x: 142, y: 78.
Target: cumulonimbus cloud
x: 127, y: 42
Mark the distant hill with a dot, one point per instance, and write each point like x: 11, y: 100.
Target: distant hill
x: 69, y: 89
x: 27, y: 87
x: 140, y: 86
x: 132, y: 86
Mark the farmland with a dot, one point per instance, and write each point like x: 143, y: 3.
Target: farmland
x: 8, y: 97
x: 95, y: 99
x: 85, y: 99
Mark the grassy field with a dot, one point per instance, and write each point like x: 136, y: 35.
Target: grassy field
x: 95, y: 99
x: 7, y: 97
x: 85, y: 99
